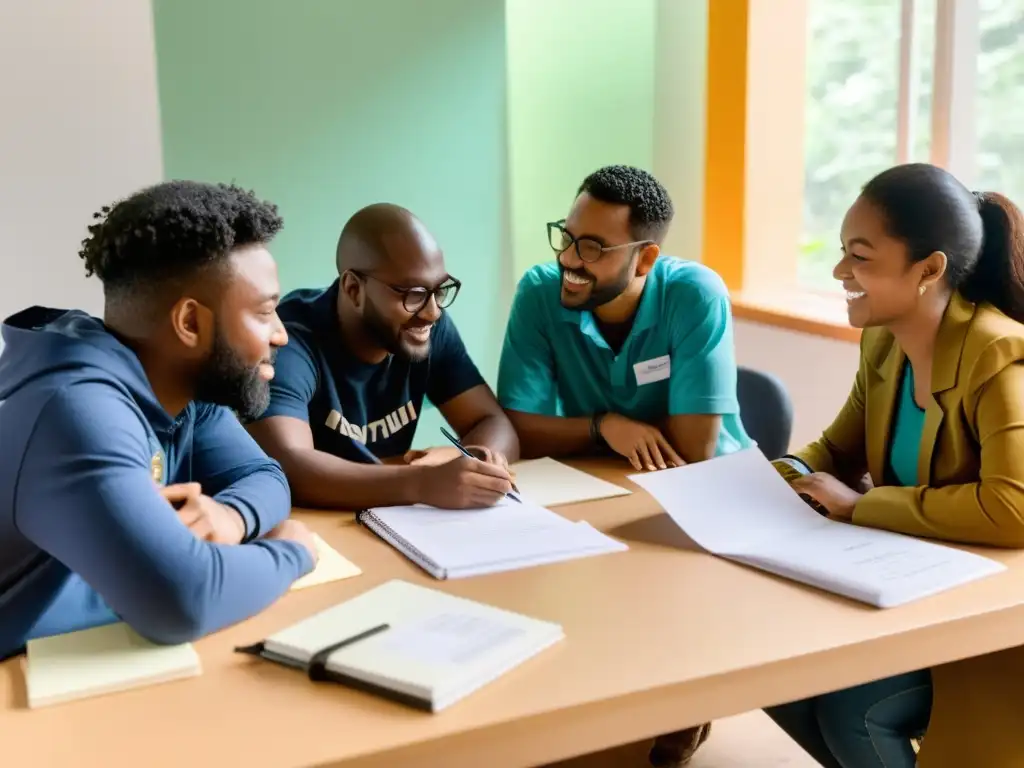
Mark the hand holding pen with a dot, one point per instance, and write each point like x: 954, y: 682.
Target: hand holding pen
x: 465, y: 452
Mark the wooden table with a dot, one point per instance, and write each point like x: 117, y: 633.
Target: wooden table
x: 657, y: 638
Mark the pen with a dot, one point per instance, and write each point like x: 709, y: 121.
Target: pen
x: 455, y: 441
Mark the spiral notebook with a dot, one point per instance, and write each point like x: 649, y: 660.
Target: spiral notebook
x: 451, y: 544
x: 411, y: 644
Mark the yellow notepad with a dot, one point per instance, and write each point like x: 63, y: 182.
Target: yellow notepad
x: 331, y: 567
x: 101, y: 660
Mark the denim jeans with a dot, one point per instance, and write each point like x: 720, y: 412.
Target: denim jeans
x: 867, y: 726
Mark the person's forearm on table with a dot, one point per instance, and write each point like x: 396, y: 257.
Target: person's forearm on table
x: 551, y: 435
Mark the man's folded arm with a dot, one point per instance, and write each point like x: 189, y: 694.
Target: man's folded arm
x: 235, y: 471
x: 87, y: 498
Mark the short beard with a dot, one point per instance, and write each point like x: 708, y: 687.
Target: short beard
x: 384, y: 336
x: 599, y: 296
x: 226, y: 380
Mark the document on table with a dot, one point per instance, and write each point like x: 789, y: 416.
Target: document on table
x: 549, y: 483
x: 738, y: 507
x: 330, y: 566
x: 451, y: 544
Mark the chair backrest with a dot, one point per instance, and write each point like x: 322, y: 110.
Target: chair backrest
x: 766, y: 410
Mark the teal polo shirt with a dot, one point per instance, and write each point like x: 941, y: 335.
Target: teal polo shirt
x: 678, y: 359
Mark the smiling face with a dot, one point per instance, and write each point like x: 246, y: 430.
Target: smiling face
x: 401, y: 298
x: 882, y: 284
x: 245, y: 337
x: 587, y: 285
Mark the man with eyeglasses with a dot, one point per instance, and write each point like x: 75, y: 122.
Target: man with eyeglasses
x: 362, y: 356
x: 614, y: 346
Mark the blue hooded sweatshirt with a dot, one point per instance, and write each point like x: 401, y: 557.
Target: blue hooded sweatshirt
x: 85, y: 536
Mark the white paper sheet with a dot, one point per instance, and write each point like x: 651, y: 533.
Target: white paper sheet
x: 450, y: 638
x: 739, y: 507
x: 549, y: 483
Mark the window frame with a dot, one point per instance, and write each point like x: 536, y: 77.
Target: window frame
x: 744, y: 167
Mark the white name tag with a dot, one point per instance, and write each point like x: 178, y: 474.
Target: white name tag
x: 655, y: 369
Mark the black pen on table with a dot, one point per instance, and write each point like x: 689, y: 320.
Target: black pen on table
x: 455, y: 441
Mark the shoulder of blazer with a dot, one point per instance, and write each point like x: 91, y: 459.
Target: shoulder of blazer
x: 875, y: 345
x: 993, y: 342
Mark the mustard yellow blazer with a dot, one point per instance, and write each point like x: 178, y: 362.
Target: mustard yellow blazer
x: 971, y: 472
x: 971, y: 460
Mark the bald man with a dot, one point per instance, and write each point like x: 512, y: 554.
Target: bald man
x: 362, y: 356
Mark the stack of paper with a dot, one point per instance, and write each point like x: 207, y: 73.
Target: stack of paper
x: 739, y: 507
x: 415, y: 645
x: 101, y: 660
x: 549, y: 483
x: 450, y: 544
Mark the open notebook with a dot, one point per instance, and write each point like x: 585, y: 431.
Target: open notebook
x: 410, y: 644
x: 101, y: 660
x: 739, y: 507
x: 451, y: 544
x: 549, y: 483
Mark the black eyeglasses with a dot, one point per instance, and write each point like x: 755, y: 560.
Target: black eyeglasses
x: 415, y: 299
x: 587, y: 248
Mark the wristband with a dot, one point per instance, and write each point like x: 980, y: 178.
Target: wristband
x: 595, y: 428
x: 790, y: 467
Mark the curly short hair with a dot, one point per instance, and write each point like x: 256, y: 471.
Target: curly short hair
x: 650, y: 208
x: 171, y: 230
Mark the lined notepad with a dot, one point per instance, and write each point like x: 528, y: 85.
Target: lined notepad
x: 550, y: 483
x: 331, y: 566
x: 102, y: 660
x: 415, y: 645
x: 739, y: 507
x: 451, y: 544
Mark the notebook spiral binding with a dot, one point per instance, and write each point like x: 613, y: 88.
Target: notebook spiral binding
x: 367, y: 518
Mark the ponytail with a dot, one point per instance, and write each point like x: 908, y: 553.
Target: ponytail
x: 998, y: 275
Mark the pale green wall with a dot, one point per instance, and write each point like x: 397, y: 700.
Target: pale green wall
x: 581, y: 95
x: 327, y: 105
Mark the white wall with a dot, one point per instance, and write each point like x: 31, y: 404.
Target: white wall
x: 80, y: 128
x: 817, y: 371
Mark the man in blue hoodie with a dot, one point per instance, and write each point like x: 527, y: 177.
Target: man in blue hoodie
x: 128, y: 489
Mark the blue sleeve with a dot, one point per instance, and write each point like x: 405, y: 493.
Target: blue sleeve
x: 233, y: 469
x: 526, y: 374
x: 452, y: 370
x: 87, y: 498
x: 295, y: 379
x: 702, y: 377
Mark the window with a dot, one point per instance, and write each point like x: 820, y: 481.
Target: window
x: 852, y: 81
x: 871, y: 84
x: 999, y: 104
x: 859, y: 106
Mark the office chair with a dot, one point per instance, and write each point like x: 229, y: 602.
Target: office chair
x: 766, y: 410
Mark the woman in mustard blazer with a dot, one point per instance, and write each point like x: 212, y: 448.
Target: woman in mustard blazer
x: 930, y: 441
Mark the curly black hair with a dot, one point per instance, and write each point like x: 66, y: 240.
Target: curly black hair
x: 170, y: 230
x: 650, y: 208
